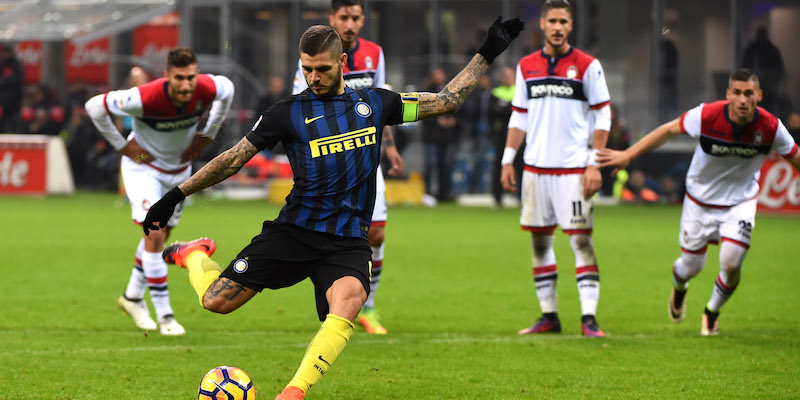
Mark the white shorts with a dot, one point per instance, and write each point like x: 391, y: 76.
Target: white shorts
x: 550, y: 200
x: 703, y: 225
x: 379, y: 213
x: 145, y: 185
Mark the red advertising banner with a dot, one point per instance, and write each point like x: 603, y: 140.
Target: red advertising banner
x: 89, y: 62
x: 29, y: 55
x: 780, y: 187
x: 23, y: 168
x: 154, y: 41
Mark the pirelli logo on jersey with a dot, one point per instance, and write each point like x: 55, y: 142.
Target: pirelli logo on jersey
x: 343, y: 142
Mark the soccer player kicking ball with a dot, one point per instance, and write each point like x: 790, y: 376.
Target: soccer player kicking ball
x: 735, y: 136
x: 365, y: 68
x: 332, y: 136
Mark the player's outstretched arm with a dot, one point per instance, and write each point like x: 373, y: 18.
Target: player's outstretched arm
x: 217, y: 170
x: 659, y: 136
x: 220, y: 168
x: 450, y: 99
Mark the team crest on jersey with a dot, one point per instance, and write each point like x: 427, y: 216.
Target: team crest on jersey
x: 758, y: 138
x: 572, y: 72
x: 363, y: 109
x: 240, y: 265
x: 368, y: 62
x: 146, y: 204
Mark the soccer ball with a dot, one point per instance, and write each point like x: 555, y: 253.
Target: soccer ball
x: 226, y: 383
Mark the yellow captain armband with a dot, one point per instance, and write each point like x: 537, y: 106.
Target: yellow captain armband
x: 410, y: 104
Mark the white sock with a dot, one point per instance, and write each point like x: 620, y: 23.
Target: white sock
x: 731, y: 256
x: 545, y: 272
x: 137, y: 283
x: 587, y: 274
x: 686, y: 267
x: 155, y: 270
x: 375, y: 279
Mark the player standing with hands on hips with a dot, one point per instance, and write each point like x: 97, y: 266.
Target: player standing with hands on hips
x: 332, y: 136
x: 561, y: 94
x: 156, y: 156
x: 734, y: 137
x: 365, y: 68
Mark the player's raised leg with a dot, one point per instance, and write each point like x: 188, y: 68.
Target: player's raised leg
x: 132, y: 301
x: 545, y: 277
x: 686, y: 267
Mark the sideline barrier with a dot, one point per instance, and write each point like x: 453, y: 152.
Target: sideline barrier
x: 34, y: 165
x: 780, y: 187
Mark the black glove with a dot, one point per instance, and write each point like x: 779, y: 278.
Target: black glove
x: 500, y: 36
x: 162, y: 210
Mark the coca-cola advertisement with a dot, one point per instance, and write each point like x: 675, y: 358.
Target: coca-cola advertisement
x: 154, y: 41
x: 23, y: 168
x: 88, y: 62
x: 29, y: 54
x: 780, y: 187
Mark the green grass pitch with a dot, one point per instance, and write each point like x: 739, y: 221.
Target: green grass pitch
x: 456, y: 287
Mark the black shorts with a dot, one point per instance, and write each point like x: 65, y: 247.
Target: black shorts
x: 284, y: 255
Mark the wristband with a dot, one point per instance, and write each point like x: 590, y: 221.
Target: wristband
x: 508, y: 156
x: 593, y: 158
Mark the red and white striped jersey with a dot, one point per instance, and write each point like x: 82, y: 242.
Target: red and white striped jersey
x: 161, y: 127
x: 364, y: 68
x: 557, y: 95
x: 727, y: 161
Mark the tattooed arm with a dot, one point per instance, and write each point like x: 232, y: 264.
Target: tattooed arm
x: 450, y: 99
x: 220, y: 168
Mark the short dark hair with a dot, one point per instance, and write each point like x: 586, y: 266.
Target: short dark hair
x: 744, y: 75
x: 551, y: 4
x: 337, y: 4
x: 319, y: 38
x: 181, y: 57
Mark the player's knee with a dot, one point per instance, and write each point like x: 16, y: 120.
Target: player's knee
x: 581, y: 242
x: 376, y: 235
x: 692, y: 264
x: 218, y: 305
x: 542, y: 244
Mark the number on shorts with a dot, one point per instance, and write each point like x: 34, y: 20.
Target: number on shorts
x: 577, y: 208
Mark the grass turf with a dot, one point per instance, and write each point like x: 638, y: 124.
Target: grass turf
x: 455, y: 289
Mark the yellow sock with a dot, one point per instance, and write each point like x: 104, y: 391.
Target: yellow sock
x: 333, y: 335
x: 203, y: 271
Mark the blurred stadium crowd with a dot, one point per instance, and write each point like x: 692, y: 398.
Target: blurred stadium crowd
x: 462, y: 160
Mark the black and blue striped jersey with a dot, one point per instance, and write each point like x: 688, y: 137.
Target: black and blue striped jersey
x: 333, y: 146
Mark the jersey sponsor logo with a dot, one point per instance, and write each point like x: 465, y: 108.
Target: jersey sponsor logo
x: 360, y: 80
x: 720, y: 148
x: 555, y: 87
x: 310, y: 120
x: 363, y: 109
x: 343, y: 142
x: 240, y: 266
x: 172, y: 124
